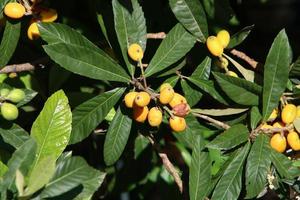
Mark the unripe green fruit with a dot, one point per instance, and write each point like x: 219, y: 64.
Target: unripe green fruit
x: 4, y: 92
x: 16, y: 95
x: 9, y: 111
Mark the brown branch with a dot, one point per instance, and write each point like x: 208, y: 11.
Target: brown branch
x: 253, y: 63
x: 29, y: 66
x: 167, y: 164
x: 270, y: 131
x: 211, y: 120
x: 139, y: 86
x: 160, y: 35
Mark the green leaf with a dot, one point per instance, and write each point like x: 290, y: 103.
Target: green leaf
x: 255, y: 117
x: 2, y: 5
x: 9, y: 41
x: 3, y: 169
x: 220, y: 112
x: 230, y: 184
x: 70, y: 173
x: 284, y: 165
x: 177, y: 43
x: 15, y: 135
x: 124, y: 27
x: 200, y: 176
x: 295, y: 70
x: 52, y: 128
x: 21, y: 158
x: 103, y: 28
x: 208, y: 87
x: 86, y: 62
x: 57, y: 77
x: 139, y: 22
x: 276, y: 73
x: 54, y: 33
x: 296, y: 124
x: 117, y: 136
x: 258, y: 166
x: 239, y: 90
x: 89, y: 114
x: 40, y: 175
x: 191, y: 92
x: 140, y: 144
x: 240, y: 36
x: 191, y: 15
x: 203, y: 69
x: 232, y: 137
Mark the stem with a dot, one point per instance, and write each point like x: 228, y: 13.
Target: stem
x: 143, y: 73
x: 253, y: 63
x: 169, y: 111
x: 167, y: 164
x: 213, y: 121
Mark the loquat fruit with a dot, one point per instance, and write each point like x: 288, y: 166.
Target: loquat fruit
x: 224, y: 38
x: 177, y: 124
x: 129, y: 99
x: 140, y: 113
x: 155, y: 116
x: 278, y: 142
x: 135, y: 52
x: 214, y: 46
x: 14, y: 10
x: 166, y: 95
x: 288, y: 113
x: 142, y: 99
x: 177, y: 99
x: 293, y: 140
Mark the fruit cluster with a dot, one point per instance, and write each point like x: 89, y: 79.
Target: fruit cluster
x: 7, y: 97
x: 139, y: 101
x: 16, y: 10
x: 280, y: 140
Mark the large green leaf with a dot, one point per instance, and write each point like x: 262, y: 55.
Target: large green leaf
x: 21, y: 158
x: 86, y: 62
x: 125, y: 29
x: 89, y: 114
x: 230, y: 184
x: 191, y: 15
x: 208, y: 87
x: 240, y: 36
x: 60, y: 33
x: 177, y: 43
x: 117, y: 136
x: 70, y: 173
x: 258, y: 166
x: 139, y: 22
x: 284, y: 165
x: 232, y: 137
x: 52, y: 128
x: 9, y: 41
x: 15, y: 135
x: 276, y: 73
x: 295, y: 70
x: 199, y: 176
x: 239, y: 90
x: 40, y: 175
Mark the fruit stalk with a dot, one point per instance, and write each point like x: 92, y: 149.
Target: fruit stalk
x: 213, y: 121
x: 143, y: 73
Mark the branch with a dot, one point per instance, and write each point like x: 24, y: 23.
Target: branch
x: 29, y: 66
x: 244, y: 57
x: 270, y: 131
x: 168, y: 165
x: 160, y: 35
x: 213, y: 121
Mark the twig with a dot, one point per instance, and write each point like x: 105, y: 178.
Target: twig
x: 244, y: 57
x: 139, y: 86
x: 29, y: 66
x: 213, y: 121
x: 269, y: 131
x: 160, y: 35
x: 168, y: 165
